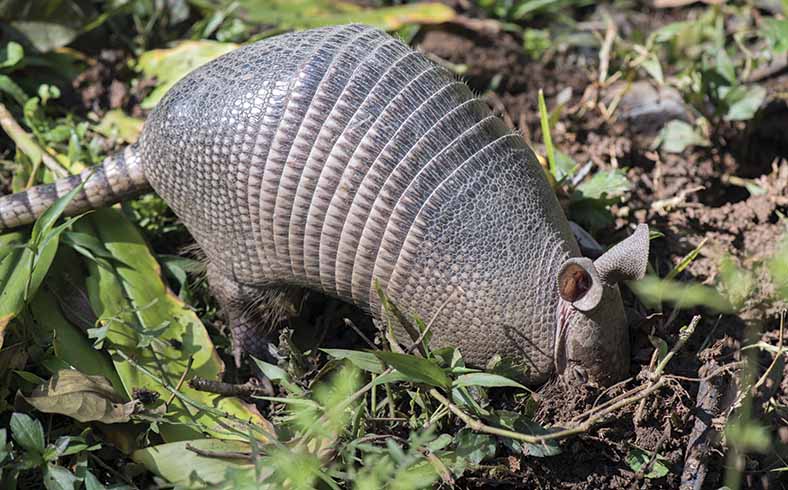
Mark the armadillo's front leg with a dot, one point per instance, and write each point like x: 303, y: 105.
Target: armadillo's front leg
x: 241, y: 305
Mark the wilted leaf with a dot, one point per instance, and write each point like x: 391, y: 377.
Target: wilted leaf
x: 305, y: 14
x: 171, y: 64
x: 179, y: 465
x: 486, y: 380
x: 362, y: 360
x: 653, y: 290
x: 81, y: 397
x: 678, y: 135
x: 637, y: 459
x: 27, y: 432
x: 418, y: 369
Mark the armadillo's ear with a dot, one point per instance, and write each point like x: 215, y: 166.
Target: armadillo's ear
x: 579, y: 283
x: 627, y: 260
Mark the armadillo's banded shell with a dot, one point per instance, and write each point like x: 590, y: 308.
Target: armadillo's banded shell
x: 328, y: 159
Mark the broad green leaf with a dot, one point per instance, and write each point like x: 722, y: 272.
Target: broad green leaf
x: 279, y: 376
x: 743, y: 102
x: 486, y: 380
x: 610, y: 183
x: 92, y: 483
x: 45, y: 36
x: 58, y: 478
x: 418, y: 369
x: 776, y: 31
x: 176, y: 463
x: 305, y: 14
x: 171, y: 64
x: 725, y: 67
x: 11, y: 54
x: 81, y: 397
x: 362, y: 360
x: 637, y: 459
x: 129, y: 297
x: 475, y: 447
x: 653, y: 290
x: 27, y: 432
x: 653, y: 68
x: 678, y: 135
x: 520, y: 423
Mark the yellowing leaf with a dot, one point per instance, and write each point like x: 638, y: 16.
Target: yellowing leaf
x: 170, y: 65
x: 179, y: 464
x: 305, y: 14
x: 119, y: 125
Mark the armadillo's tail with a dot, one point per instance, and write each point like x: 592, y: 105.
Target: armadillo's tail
x: 119, y: 177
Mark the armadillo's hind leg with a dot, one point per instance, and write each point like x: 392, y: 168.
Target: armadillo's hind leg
x: 251, y: 312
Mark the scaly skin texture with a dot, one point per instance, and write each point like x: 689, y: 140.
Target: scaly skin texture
x: 338, y: 158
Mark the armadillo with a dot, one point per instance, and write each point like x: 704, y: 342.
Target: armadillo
x: 341, y: 160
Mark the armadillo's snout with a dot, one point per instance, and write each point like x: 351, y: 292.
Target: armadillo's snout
x: 592, y: 339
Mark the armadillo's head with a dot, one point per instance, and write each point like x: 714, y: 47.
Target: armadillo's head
x: 592, y: 338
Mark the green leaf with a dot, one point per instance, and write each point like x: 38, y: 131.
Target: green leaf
x: 653, y: 68
x: 58, y: 478
x: 748, y: 436
x: 171, y: 64
x: 27, y: 432
x: 776, y: 31
x: 475, y: 447
x: 11, y: 54
x: 418, y: 369
x: 610, y: 183
x: 486, y: 380
x: 92, y: 483
x: 179, y: 465
x: 117, y: 124
x: 81, y: 397
x: 653, y: 291
x: 278, y: 375
x: 637, y: 459
x: 10, y: 87
x: 362, y: 360
x: 520, y: 423
x: 725, y: 66
x: 743, y: 102
x: 305, y: 14
x: 133, y: 298
x: 678, y: 135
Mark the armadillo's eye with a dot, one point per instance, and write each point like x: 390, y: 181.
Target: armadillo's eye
x: 574, y: 282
